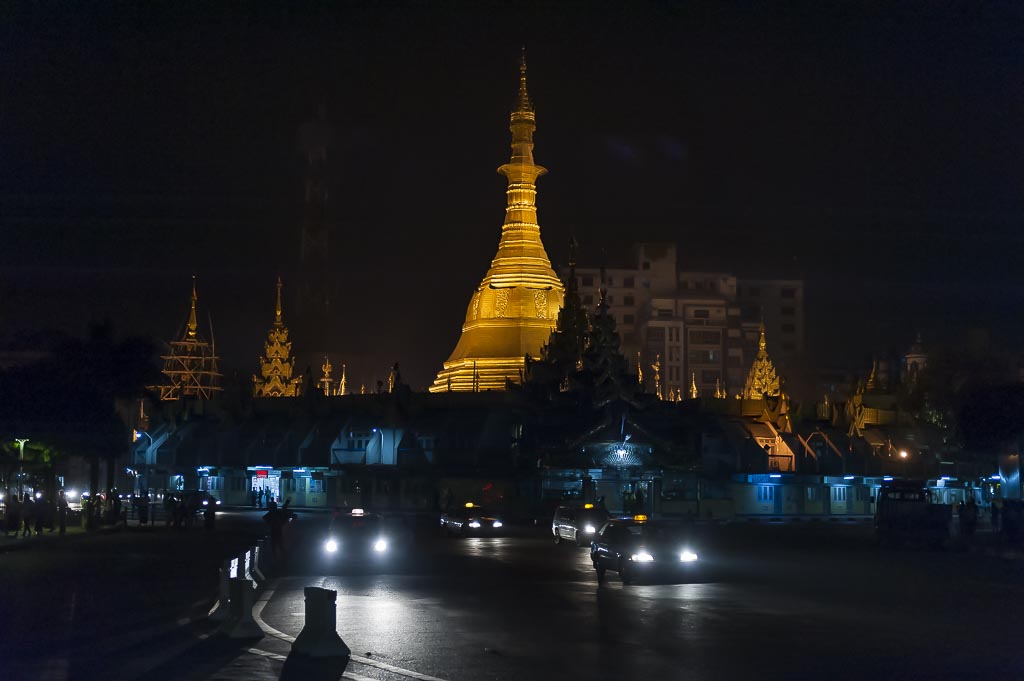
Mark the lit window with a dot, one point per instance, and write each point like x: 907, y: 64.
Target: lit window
x: 765, y: 493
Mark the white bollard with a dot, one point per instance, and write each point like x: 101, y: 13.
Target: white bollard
x: 222, y: 608
x: 319, y: 636
x: 245, y: 560
x: 258, y: 557
x: 241, y: 623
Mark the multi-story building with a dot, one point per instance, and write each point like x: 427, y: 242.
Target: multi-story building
x: 700, y: 328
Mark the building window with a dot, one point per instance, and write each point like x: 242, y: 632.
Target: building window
x: 703, y: 356
x: 701, y: 314
x: 765, y: 493
x: 656, y: 334
x: 862, y: 493
x: 787, y: 311
x: 708, y: 376
x: 788, y: 328
x: 627, y: 319
x: 629, y: 282
x: 788, y: 347
x: 813, y: 494
x: 628, y: 300
x: 702, y: 337
x: 588, y: 280
x: 646, y: 265
x: 316, y: 486
x: 588, y: 299
x: 609, y: 299
x: 839, y: 494
x: 663, y: 313
x: 611, y: 281
x: 788, y: 293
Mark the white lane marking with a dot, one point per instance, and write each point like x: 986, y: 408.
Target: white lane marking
x: 257, y: 611
x: 264, y: 653
x: 352, y: 676
x: 393, y: 669
x: 213, y: 609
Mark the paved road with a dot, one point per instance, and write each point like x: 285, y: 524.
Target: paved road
x: 772, y: 603
x: 792, y: 602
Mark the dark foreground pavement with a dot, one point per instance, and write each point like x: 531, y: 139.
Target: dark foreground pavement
x: 791, y: 602
x: 110, y: 605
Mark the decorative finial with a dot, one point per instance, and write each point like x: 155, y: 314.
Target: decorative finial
x: 193, y: 325
x: 523, y: 103
x: 277, y: 310
x: 762, y: 344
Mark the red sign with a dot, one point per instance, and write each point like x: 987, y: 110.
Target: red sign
x: 262, y: 474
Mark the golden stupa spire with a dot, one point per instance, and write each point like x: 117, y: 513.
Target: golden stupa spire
x: 277, y: 310
x: 762, y: 379
x: 342, y: 382
x: 523, y: 103
x: 515, y: 307
x: 277, y: 364
x: 694, y: 393
x: 193, y: 325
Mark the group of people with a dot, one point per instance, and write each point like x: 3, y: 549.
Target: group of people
x: 262, y: 497
x: 31, y: 514
x: 279, y: 520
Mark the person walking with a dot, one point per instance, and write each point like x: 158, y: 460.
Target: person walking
x: 997, y: 515
x: 62, y: 512
x: 27, y: 515
x: 253, y: 497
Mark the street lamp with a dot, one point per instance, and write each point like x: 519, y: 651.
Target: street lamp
x: 903, y: 455
x: 136, y: 436
x: 21, y: 464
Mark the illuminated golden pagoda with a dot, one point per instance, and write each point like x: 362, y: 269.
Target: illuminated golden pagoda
x: 514, y: 309
x: 190, y: 369
x: 277, y: 364
x: 762, y: 379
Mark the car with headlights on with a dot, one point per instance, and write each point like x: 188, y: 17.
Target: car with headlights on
x: 471, y: 520
x: 578, y: 523
x: 357, y: 536
x: 638, y: 548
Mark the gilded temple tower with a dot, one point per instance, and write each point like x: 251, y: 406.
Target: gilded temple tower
x: 514, y: 309
x: 277, y: 363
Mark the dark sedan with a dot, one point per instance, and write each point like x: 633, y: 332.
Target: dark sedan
x: 471, y: 519
x: 358, y: 536
x: 637, y: 548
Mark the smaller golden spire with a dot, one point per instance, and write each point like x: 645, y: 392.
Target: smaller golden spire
x: 639, y: 370
x: 193, y: 325
x: 343, y: 383
x: 694, y: 393
x: 762, y: 344
x: 277, y: 310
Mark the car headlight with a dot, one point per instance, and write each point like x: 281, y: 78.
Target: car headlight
x: 474, y: 524
x: 380, y: 546
x: 687, y: 556
x: 205, y: 502
x: 331, y: 546
x: 589, y: 529
x: 642, y: 557
x: 496, y: 524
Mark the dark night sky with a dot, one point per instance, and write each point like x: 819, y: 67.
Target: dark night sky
x: 873, y: 149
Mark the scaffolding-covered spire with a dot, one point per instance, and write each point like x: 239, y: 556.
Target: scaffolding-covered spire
x: 193, y: 325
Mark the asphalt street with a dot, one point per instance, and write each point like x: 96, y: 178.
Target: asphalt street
x: 110, y: 604
x: 770, y: 602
